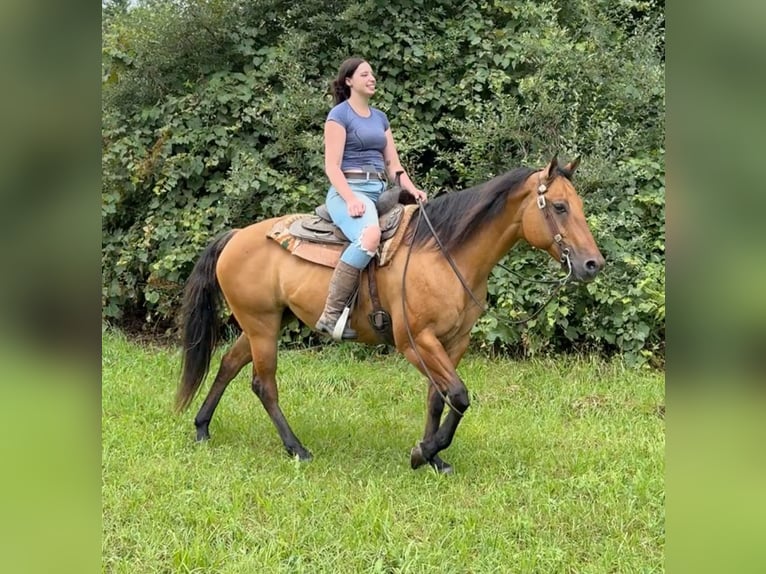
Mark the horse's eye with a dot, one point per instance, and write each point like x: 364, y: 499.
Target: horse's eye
x: 560, y: 207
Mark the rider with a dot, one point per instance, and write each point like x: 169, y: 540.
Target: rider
x: 359, y: 150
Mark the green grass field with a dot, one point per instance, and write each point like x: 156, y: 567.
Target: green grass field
x: 559, y: 467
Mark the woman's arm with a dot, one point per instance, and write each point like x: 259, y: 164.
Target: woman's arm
x: 393, y: 165
x: 334, y: 142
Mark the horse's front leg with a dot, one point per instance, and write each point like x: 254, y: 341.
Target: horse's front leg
x: 434, y: 410
x: 431, y: 359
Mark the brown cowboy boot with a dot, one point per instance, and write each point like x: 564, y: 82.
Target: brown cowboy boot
x: 342, y: 284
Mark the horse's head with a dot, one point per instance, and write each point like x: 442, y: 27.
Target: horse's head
x: 553, y: 220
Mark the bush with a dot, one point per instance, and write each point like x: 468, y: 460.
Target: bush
x: 213, y: 114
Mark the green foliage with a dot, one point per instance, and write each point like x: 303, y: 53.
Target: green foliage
x: 213, y: 114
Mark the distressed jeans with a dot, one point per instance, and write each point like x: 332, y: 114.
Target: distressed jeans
x: 352, y: 227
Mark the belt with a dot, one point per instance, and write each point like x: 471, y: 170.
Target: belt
x: 366, y: 175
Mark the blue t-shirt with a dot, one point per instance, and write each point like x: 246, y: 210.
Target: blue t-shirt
x: 365, y: 137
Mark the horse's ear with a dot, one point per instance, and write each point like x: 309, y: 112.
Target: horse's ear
x: 550, y: 171
x: 572, y: 166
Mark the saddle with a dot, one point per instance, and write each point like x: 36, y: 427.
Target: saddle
x: 316, y: 238
x: 320, y: 228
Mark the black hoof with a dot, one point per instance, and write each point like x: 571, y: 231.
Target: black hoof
x: 416, y: 457
x: 440, y: 466
x: 202, y: 434
x: 302, y: 454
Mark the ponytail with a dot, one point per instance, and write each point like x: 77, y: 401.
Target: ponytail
x: 340, y: 91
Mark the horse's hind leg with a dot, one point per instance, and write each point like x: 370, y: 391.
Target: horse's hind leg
x: 231, y: 364
x: 263, y: 343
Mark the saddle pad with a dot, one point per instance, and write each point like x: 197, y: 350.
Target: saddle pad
x: 388, y: 247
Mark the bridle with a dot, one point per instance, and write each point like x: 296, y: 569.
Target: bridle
x: 558, y: 238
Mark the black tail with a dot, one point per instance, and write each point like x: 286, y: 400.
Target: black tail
x: 199, y: 314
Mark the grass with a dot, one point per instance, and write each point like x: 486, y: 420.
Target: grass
x: 559, y: 468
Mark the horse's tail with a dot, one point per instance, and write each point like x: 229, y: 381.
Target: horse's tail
x: 199, y: 316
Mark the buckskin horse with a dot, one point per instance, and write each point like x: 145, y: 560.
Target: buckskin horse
x: 431, y: 320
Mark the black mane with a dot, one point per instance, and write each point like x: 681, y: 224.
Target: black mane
x: 456, y: 216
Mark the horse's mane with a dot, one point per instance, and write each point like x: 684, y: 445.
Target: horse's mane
x: 456, y: 216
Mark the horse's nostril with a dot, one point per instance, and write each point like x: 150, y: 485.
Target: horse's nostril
x: 592, y: 265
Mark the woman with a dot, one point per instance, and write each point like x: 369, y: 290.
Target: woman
x: 359, y: 151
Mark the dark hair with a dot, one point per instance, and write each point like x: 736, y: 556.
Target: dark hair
x: 340, y: 91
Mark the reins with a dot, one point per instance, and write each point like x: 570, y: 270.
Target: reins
x: 446, y: 254
x: 426, y: 372
x: 559, y: 283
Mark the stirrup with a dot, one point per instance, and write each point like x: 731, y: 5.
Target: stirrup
x: 340, y: 325
x: 342, y: 330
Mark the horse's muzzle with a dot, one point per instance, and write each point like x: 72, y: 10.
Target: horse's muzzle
x: 586, y: 269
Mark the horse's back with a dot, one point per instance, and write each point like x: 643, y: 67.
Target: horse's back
x: 243, y: 244
x: 257, y: 275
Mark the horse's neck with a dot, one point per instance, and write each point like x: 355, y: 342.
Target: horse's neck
x: 489, y: 245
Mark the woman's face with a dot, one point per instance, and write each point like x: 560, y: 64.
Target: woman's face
x: 362, y: 81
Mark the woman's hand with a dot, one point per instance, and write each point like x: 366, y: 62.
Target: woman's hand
x: 355, y: 207
x: 418, y: 194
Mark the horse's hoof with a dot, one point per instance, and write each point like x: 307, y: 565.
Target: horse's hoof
x: 306, y: 457
x: 416, y: 457
x: 202, y: 435
x: 301, y: 454
x: 441, y: 467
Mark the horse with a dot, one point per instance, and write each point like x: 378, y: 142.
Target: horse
x: 431, y: 288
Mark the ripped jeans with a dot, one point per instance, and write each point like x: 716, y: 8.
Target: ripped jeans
x: 353, y: 227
